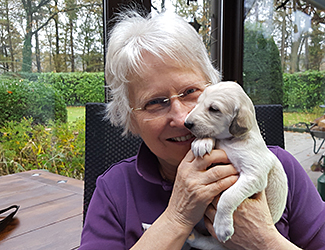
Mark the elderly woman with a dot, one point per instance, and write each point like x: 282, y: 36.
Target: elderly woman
x: 156, y: 69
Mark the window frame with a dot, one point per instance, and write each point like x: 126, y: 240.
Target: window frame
x: 226, y: 14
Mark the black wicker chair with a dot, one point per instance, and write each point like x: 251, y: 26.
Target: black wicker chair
x: 105, y: 145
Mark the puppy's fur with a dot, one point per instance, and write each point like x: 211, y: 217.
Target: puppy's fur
x: 225, y: 118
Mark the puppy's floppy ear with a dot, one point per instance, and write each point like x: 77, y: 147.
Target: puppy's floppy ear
x: 242, y: 122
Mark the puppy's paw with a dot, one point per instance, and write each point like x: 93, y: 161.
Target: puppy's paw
x: 203, y: 146
x: 223, y: 227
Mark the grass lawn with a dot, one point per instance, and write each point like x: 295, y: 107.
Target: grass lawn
x: 292, y: 118
x: 75, y: 112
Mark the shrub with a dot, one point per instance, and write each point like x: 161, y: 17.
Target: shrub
x: 304, y: 90
x: 262, y: 76
x: 22, y: 98
x: 77, y: 88
x: 58, y: 148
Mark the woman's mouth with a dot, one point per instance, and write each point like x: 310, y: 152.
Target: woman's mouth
x: 181, y: 138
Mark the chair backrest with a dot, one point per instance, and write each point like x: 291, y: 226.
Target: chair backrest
x: 270, y: 122
x: 105, y: 145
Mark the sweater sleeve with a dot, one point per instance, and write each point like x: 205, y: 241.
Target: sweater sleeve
x: 305, y: 210
x: 102, y: 228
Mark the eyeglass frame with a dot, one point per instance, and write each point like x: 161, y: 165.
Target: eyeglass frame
x: 168, y: 99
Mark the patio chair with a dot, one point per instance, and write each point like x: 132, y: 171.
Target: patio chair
x: 105, y: 145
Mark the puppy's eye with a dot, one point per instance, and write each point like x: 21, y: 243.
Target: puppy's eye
x: 214, y: 109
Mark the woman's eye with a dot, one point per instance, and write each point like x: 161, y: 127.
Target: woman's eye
x: 155, y: 103
x: 190, y: 91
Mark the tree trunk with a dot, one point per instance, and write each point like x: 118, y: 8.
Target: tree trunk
x: 37, y: 51
x: 65, y: 52
x: 71, y: 46
x: 294, y: 46
x: 31, y: 8
x: 27, y: 53
x: 306, y: 54
x: 11, y: 51
x: 283, y: 39
x: 56, y: 55
x: 49, y: 38
x: 27, y: 49
x: 294, y: 57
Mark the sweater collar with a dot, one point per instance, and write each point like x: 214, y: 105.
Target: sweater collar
x: 148, y: 168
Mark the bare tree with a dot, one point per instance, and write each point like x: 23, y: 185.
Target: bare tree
x: 10, y: 37
x: 11, y: 50
x: 72, y: 16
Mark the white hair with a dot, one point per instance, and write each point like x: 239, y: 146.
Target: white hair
x: 162, y: 35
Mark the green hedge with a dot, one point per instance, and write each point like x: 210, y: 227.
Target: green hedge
x: 30, y: 76
x: 304, y: 90
x: 77, y: 88
x: 22, y: 98
x: 263, y: 80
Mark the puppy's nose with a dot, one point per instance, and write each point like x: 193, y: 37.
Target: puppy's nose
x: 189, y: 125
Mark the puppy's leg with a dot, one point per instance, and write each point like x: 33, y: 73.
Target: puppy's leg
x: 277, y: 191
x: 202, y: 146
x: 246, y: 186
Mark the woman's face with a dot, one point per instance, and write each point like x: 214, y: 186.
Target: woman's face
x: 165, y: 135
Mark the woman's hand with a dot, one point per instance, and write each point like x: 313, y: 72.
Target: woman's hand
x: 254, y: 227
x: 252, y: 222
x: 196, y: 185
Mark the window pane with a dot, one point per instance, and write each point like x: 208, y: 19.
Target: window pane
x: 284, y: 54
x: 51, y: 64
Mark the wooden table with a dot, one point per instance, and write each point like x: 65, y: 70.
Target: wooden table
x: 50, y: 214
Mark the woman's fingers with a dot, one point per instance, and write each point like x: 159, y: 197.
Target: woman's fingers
x: 198, y: 173
x: 216, y: 156
x: 197, y: 184
x: 211, y: 210
x: 209, y: 226
x: 219, y: 173
x: 212, y: 167
x: 210, y: 213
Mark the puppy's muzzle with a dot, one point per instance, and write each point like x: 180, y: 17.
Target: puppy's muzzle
x: 189, y: 125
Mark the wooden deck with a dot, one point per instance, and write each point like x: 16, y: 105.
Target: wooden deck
x: 50, y: 214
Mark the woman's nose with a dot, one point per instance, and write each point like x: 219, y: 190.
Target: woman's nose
x: 177, y: 113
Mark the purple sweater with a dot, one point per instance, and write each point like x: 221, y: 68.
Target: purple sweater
x: 132, y: 194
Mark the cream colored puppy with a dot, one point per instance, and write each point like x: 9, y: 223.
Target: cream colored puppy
x: 225, y: 118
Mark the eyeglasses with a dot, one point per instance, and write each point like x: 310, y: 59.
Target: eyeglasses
x: 160, y: 106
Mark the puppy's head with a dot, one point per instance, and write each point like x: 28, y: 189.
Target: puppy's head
x: 223, y: 111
